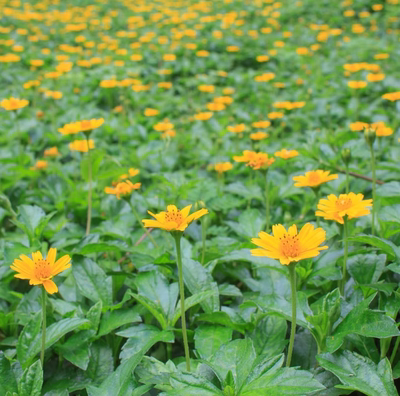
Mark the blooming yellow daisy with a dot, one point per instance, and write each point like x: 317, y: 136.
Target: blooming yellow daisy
x: 41, y: 270
x: 174, y: 219
x: 313, y: 178
x: 351, y: 205
x: 288, y: 246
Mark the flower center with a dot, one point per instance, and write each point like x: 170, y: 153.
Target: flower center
x: 314, y: 178
x: 343, y: 203
x: 290, y: 245
x: 42, y: 269
x: 175, y: 216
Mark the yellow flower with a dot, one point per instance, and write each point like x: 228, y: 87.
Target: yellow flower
x: 262, y: 58
x: 122, y: 188
x: 392, y: 96
x: 222, y: 167
x: 41, y: 270
x: 169, y: 57
x: 40, y: 164
x: 206, y: 88
x: 358, y: 126
x: 81, y: 145
x: 288, y: 246
x: 258, y: 135
x: 275, y: 114
x: 81, y: 126
x: 261, y: 124
x: 255, y: 160
x: 286, y: 154
x: 203, y: 116
x: 202, y: 53
x: 239, y: 128
x: 13, y: 103
x: 51, y: 152
x: 215, y: 106
x: 149, y: 112
x: 163, y: 126
x: 357, y: 84
x: 174, y: 219
x: 313, y: 178
x: 373, y: 77
x: 165, y: 84
x: 351, y: 205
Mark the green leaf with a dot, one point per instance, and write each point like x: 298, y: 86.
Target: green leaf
x: 282, y: 381
x: 30, y: 217
x: 269, y: 336
x: 7, y: 377
x: 209, y: 338
x: 31, y: 381
x: 139, y: 335
x: 363, y: 321
x: 29, y: 342
x: 154, y: 286
x: 191, y: 384
x: 76, y: 349
x: 236, y: 357
x: 197, y: 279
x: 366, y: 268
x: 189, y: 303
x: 153, y: 307
x: 249, y: 225
x: 101, y: 363
x: 112, y: 320
x: 383, y: 244
x: 92, y: 281
x: 359, y: 373
x: 119, y: 383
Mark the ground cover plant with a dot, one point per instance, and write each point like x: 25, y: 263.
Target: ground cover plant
x: 199, y: 197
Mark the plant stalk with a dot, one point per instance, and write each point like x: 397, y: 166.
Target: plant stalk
x: 89, y: 209
x: 177, y: 237
x: 373, y: 166
x: 396, y: 346
x: 267, y: 218
x: 43, y: 325
x: 346, y: 248
x: 292, y: 276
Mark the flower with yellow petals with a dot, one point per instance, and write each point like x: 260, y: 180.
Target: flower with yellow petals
x: 351, y: 205
x: 122, y: 188
x: 39, y: 270
x: 51, y: 152
x: 314, y: 178
x: 255, y: 160
x: 174, y: 219
x: 40, y: 164
x: 286, y: 154
x: 288, y: 246
x: 203, y: 116
x: 357, y: 84
x: 222, y: 167
x: 81, y: 145
x: 258, y: 135
x: 392, y: 96
x: 13, y: 103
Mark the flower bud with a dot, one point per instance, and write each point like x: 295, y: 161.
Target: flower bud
x: 370, y: 136
x: 346, y: 156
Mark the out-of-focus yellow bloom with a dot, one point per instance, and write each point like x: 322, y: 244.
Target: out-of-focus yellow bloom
x: 13, y: 103
x: 222, y: 167
x: 313, y: 178
x: 286, y: 154
x: 81, y: 145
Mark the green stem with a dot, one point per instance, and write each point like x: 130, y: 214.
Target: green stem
x: 346, y: 247
x: 203, y: 238
x: 396, y: 346
x: 373, y: 188
x: 135, y: 213
x: 267, y: 219
x: 292, y: 275
x: 177, y: 237
x: 89, y: 209
x: 316, y: 192
x: 43, y: 325
x: 347, y: 179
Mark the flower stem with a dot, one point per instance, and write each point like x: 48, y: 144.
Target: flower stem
x: 203, y: 238
x: 373, y: 188
x: 316, y: 192
x: 347, y: 179
x: 177, y: 237
x: 43, y: 325
x: 346, y: 247
x: 267, y: 219
x: 136, y: 214
x: 89, y: 209
x: 292, y: 275
x: 396, y: 346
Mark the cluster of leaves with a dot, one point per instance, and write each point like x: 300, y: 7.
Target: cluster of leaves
x: 113, y: 328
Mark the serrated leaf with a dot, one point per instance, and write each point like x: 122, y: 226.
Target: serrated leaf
x: 209, y: 338
x: 7, y: 378
x: 31, y: 381
x: 360, y: 373
x: 92, y: 281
